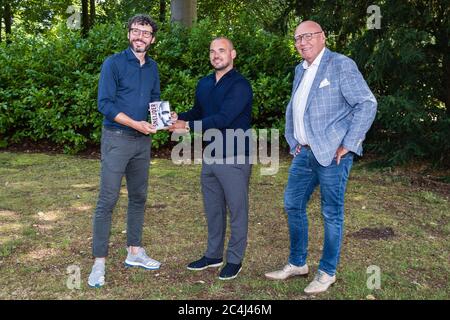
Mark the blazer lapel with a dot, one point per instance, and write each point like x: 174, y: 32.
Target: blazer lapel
x: 298, y: 79
x: 319, y: 76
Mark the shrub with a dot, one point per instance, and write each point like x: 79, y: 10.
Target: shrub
x: 48, y: 83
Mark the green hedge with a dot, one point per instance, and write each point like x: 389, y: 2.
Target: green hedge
x: 48, y: 84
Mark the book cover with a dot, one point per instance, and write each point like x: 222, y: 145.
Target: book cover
x: 160, y: 114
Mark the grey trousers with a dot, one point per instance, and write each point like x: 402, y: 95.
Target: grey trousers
x: 126, y: 154
x: 226, y: 185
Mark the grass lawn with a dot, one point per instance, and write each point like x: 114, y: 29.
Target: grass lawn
x: 47, y: 202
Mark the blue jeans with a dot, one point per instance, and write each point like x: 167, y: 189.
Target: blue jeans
x: 305, y: 174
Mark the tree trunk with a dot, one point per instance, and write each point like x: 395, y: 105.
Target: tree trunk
x: 183, y: 11
x: 440, y: 25
x: 446, y: 82
x: 446, y: 65
x: 162, y: 11
x: 84, y: 17
x: 7, y: 17
x: 92, y: 12
x: 1, y: 20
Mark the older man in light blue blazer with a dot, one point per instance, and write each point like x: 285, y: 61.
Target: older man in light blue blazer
x: 327, y: 118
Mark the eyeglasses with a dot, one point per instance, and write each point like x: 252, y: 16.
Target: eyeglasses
x: 307, y: 36
x: 137, y: 32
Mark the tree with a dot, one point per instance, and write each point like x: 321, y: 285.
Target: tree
x: 31, y: 16
x: 91, y: 12
x: 110, y: 10
x: 87, y: 16
x: 162, y: 11
x: 7, y: 18
x: 84, y: 17
x: 1, y: 21
x: 183, y: 11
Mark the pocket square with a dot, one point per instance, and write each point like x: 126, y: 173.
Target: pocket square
x: 324, y: 83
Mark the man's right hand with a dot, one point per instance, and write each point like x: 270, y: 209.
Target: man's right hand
x: 141, y: 126
x: 298, y: 148
x: 144, y: 127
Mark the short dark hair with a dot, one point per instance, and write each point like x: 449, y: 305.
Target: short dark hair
x: 143, y: 20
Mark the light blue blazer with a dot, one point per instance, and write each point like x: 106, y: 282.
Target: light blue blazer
x: 338, y: 113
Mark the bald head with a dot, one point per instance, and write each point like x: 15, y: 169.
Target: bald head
x: 309, y: 40
x: 312, y: 25
x: 228, y: 41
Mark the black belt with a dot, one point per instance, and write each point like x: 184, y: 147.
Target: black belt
x: 125, y: 132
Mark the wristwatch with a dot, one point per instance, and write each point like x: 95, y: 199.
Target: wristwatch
x: 187, y: 126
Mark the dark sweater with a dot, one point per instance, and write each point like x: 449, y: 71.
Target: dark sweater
x: 224, y: 105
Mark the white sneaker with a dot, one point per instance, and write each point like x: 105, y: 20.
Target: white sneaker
x: 289, y: 270
x: 322, y: 281
x: 97, y: 276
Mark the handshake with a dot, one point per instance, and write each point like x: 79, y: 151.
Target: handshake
x: 174, y: 125
x: 178, y: 126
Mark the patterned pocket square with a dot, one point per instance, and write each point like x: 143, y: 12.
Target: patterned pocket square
x: 324, y: 83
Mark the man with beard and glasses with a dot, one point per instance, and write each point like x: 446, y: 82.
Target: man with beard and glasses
x: 223, y: 102
x: 129, y: 81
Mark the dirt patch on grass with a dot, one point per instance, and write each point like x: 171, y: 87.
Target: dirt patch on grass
x: 40, y: 254
x: 158, y: 206
x: 7, y: 214
x: 431, y: 183
x: 374, y: 233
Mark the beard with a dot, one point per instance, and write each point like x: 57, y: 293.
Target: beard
x: 139, y: 49
x: 218, y: 66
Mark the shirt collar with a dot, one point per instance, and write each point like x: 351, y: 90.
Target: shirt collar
x: 229, y: 73
x: 316, y: 61
x: 131, y: 56
x: 226, y: 75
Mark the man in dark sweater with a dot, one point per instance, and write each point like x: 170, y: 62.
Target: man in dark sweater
x: 223, y: 102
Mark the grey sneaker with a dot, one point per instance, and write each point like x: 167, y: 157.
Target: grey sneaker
x: 141, y: 260
x: 97, y: 276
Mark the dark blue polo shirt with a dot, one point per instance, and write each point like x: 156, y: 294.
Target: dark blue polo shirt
x: 126, y: 86
x: 226, y: 104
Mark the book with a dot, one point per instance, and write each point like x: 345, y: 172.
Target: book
x: 160, y: 114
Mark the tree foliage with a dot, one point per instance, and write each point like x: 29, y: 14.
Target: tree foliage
x: 48, y: 70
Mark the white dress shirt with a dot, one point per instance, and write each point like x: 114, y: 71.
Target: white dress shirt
x: 301, y: 97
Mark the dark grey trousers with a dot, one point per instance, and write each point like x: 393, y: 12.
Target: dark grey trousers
x: 126, y: 154
x: 226, y: 185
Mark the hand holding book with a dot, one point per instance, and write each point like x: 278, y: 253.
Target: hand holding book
x: 160, y: 115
